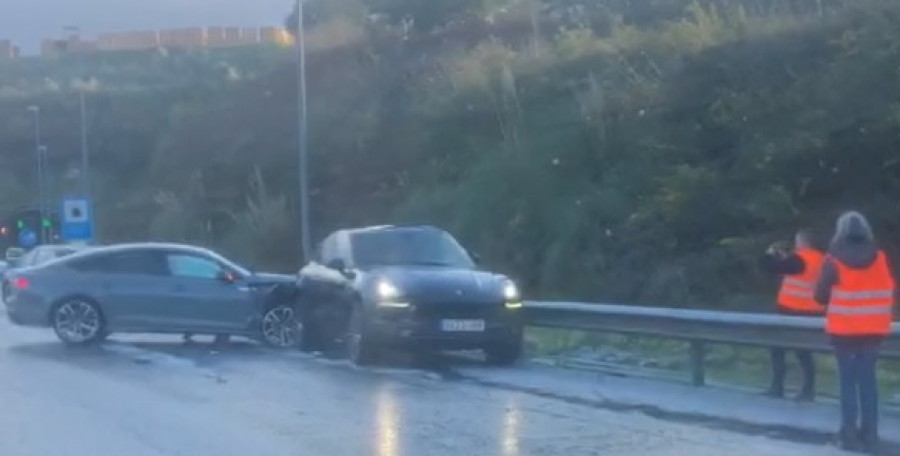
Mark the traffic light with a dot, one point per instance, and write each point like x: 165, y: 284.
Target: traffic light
x: 46, y: 223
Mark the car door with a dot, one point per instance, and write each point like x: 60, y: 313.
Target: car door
x: 131, y: 285
x: 203, y: 300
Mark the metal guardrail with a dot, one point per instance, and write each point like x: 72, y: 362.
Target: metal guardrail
x: 697, y: 327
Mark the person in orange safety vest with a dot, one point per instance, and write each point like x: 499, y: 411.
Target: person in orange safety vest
x: 799, y: 270
x: 859, y: 289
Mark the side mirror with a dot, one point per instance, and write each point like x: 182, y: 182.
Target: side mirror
x: 226, y: 277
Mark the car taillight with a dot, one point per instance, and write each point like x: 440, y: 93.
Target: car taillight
x: 21, y: 283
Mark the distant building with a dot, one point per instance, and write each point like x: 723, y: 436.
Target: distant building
x: 182, y: 38
x: 8, y: 50
x: 129, y: 41
x: 249, y: 35
x: 74, y: 44
x: 223, y: 36
x: 276, y: 35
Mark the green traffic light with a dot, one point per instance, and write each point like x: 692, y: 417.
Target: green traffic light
x: 47, y: 223
x: 20, y: 224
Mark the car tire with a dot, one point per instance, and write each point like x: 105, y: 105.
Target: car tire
x: 504, y: 354
x: 78, y: 321
x: 280, y: 328
x: 358, y: 341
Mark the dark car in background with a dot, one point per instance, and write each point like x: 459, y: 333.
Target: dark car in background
x: 34, y: 257
x: 410, y: 287
x: 152, y: 288
x: 47, y: 252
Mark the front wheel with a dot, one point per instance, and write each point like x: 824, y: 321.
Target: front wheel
x: 504, y: 354
x: 78, y: 321
x: 281, y: 328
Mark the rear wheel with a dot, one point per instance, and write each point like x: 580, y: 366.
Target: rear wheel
x: 504, y: 354
x: 281, y: 328
x: 359, y: 345
x: 78, y: 321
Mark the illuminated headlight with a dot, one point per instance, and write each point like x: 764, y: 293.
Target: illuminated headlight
x: 388, y: 295
x: 511, y: 296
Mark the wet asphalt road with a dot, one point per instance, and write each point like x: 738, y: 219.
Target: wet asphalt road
x: 155, y: 396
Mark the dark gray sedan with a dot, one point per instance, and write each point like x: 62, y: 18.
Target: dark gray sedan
x: 152, y: 288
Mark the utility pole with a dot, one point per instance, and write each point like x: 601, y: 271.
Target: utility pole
x: 302, y: 152
x: 39, y: 151
x: 85, y: 164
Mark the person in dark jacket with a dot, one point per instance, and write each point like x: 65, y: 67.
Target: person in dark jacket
x: 858, y: 287
x: 799, y: 269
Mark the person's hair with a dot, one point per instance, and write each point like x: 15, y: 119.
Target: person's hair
x: 853, y: 227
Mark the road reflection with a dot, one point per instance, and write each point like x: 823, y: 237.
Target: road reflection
x: 511, y: 423
x: 387, y: 423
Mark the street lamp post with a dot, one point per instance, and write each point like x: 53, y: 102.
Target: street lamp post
x: 39, y: 152
x: 303, y: 152
x: 85, y: 169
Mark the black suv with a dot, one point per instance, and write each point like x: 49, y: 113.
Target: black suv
x: 409, y: 287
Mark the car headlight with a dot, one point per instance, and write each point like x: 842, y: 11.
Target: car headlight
x: 389, y: 295
x: 511, y: 295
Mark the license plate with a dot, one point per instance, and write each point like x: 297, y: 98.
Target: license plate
x: 462, y: 325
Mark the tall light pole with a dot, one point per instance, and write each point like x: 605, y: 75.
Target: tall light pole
x: 39, y: 151
x: 85, y: 176
x: 303, y: 152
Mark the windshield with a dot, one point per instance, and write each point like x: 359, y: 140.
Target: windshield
x: 408, y: 247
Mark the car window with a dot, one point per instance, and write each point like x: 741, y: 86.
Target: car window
x: 42, y: 256
x: 59, y: 253
x: 408, y: 247
x: 142, y: 262
x: 192, y: 266
x: 327, y: 250
x: 27, y: 259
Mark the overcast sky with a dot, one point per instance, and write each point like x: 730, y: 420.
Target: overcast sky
x: 28, y: 21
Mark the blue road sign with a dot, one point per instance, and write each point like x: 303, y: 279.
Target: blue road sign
x: 77, y: 222
x: 27, y: 238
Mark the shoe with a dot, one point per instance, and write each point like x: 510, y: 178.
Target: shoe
x: 848, y: 440
x: 868, y: 441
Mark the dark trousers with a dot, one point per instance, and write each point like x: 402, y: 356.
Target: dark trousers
x: 857, y: 362
x: 779, y: 371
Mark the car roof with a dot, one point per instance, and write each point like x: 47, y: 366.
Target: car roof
x: 369, y: 229
x: 152, y: 246
x: 61, y: 246
x: 125, y: 247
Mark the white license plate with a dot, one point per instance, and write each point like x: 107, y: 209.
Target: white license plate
x: 462, y: 325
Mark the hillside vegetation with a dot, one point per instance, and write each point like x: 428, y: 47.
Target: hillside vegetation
x: 640, y: 152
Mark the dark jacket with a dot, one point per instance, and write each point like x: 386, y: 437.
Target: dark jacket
x: 855, y: 249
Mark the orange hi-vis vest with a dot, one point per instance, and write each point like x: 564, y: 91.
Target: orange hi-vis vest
x: 796, y: 292
x: 862, y: 300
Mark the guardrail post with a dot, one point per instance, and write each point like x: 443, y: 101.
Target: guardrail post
x: 698, y: 373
